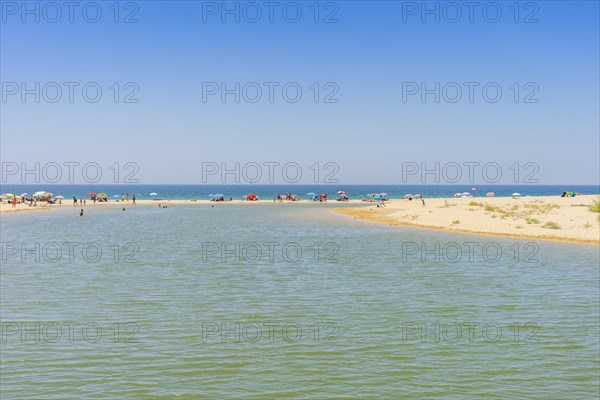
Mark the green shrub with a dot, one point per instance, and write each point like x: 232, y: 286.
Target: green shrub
x: 551, y: 225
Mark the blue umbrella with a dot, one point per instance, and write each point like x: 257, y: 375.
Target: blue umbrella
x: 25, y: 194
x: 216, y: 195
x: 311, y: 194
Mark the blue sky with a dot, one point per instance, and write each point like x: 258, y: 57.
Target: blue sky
x: 368, y: 56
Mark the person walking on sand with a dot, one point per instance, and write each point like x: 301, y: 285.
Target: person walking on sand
x: 14, y: 201
x: 122, y: 197
x: 133, y: 198
x: 127, y: 197
x: 74, y: 201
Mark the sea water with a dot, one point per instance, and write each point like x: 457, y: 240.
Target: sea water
x: 288, y: 301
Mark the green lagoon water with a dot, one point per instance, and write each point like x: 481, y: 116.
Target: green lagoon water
x: 363, y: 317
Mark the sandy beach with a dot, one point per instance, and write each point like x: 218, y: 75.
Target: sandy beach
x: 552, y: 218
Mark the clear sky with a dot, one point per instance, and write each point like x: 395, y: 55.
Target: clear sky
x: 372, y: 57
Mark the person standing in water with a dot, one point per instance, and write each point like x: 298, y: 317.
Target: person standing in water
x: 81, y: 213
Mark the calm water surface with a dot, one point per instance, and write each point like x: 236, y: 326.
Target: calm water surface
x: 288, y: 301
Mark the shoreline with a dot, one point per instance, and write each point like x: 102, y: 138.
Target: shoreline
x: 522, y: 218
x: 540, y: 217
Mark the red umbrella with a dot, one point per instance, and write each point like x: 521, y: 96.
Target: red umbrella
x: 251, y: 197
x: 323, y: 196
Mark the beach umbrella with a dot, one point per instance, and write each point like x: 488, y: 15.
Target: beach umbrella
x: 490, y: 194
x: 25, y: 194
x: 153, y: 194
x: 465, y: 193
x: 40, y: 193
x: 102, y: 196
x: 116, y: 196
x: 406, y: 196
x: 322, y: 195
x: 516, y: 194
x: 341, y: 192
x: 8, y: 195
x: 91, y: 193
x: 251, y: 196
x: 18, y: 197
x: 383, y: 194
x: 59, y: 197
x: 311, y: 194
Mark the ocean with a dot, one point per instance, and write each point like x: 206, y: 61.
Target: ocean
x: 201, y: 302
